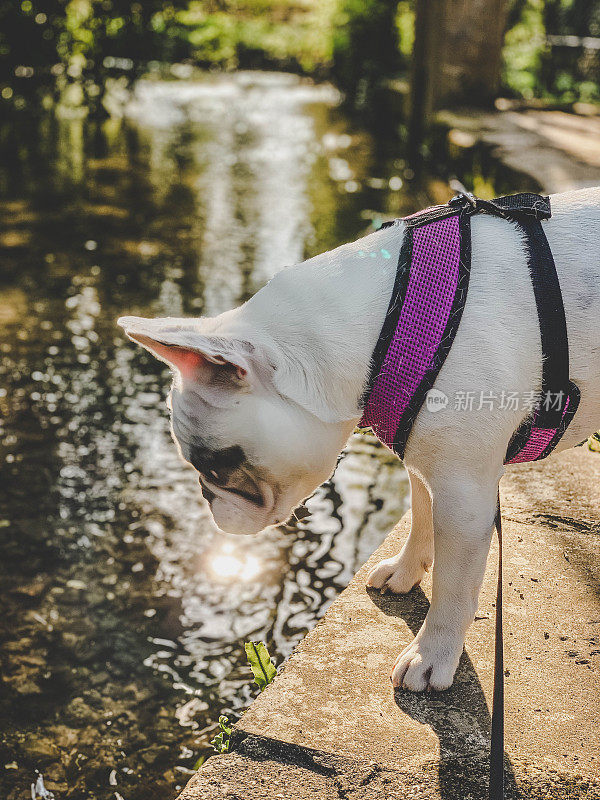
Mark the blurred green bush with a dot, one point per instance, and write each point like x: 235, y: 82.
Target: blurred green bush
x: 73, y: 49
x: 550, y: 52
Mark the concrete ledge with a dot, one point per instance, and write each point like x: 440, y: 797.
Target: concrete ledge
x: 331, y: 727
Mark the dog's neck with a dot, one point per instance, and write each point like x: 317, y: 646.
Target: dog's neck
x: 323, y: 317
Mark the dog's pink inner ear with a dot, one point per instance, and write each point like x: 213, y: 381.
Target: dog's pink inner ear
x: 189, y: 363
x: 186, y: 361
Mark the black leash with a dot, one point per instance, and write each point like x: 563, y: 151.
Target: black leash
x: 496, y: 790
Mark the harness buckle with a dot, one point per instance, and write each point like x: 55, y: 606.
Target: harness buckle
x: 463, y: 195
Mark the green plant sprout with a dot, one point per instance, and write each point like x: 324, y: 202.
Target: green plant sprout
x: 221, y: 740
x: 264, y: 672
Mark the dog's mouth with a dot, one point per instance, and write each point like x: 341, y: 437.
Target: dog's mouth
x: 246, y: 489
x: 251, y: 497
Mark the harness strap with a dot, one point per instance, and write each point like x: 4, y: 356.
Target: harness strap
x: 537, y: 436
x: 424, y: 313
x: 496, y: 785
x: 517, y: 207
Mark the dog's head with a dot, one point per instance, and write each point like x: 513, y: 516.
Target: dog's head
x: 258, y: 452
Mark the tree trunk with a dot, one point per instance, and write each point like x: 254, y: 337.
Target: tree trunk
x: 457, y: 55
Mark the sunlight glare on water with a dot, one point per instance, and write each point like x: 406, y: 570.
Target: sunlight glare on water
x: 223, y: 565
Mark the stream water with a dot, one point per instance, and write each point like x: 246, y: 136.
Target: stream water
x: 123, y: 613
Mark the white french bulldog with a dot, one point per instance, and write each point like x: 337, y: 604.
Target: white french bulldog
x: 265, y: 397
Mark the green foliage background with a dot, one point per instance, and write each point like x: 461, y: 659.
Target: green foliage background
x: 533, y: 69
x: 73, y: 49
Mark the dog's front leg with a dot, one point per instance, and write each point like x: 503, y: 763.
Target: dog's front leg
x: 463, y: 518
x: 402, y: 572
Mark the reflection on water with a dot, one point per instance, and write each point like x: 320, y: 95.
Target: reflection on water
x: 123, y: 612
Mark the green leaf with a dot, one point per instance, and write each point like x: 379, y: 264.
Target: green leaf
x: 225, y: 725
x: 260, y: 662
x: 220, y: 743
x: 221, y: 740
x: 594, y: 442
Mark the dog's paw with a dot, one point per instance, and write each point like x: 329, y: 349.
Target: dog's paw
x: 426, y: 664
x: 398, y: 574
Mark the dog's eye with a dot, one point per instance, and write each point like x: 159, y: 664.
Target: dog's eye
x: 218, y: 476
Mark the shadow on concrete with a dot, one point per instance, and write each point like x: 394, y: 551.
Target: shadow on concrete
x: 459, y: 716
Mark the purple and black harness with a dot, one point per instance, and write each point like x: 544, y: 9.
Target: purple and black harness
x: 428, y: 299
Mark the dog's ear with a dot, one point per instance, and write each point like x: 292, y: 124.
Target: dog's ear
x: 216, y: 362
x: 195, y: 356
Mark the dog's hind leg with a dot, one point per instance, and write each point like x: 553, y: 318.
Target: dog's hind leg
x: 464, y: 508
x: 407, y: 569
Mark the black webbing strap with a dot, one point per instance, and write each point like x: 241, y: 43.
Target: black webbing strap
x: 559, y: 397
x: 521, y: 207
x: 553, y: 325
x: 557, y: 388
x: 496, y: 788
